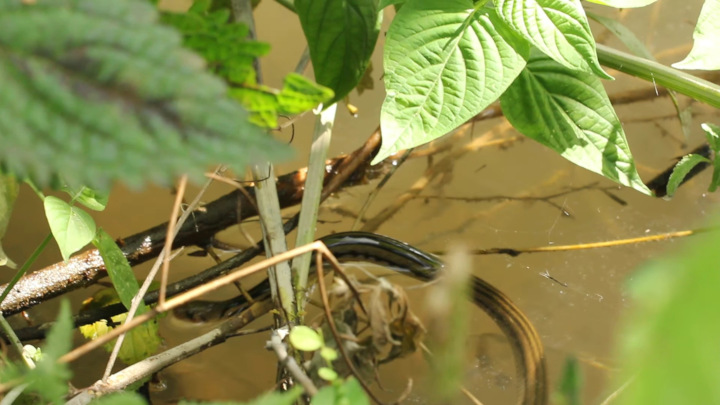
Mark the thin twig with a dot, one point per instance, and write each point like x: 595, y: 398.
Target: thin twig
x: 291, y: 365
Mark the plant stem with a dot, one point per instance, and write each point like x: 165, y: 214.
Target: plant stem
x: 311, y: 197
x: 267, y: 199
x: 673, y: 79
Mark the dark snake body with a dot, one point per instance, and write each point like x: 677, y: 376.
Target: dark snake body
x: 362, y: 246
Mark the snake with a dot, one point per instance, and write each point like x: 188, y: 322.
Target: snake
x: 399, y: 256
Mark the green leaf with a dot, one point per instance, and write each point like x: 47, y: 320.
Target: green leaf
x: 569, y: 112
x: 669, y: 343
x: 712, y: 133
x: 327, y: 395
x: 112, y: 95
x: 120, y: 398
x: 570, y: 390
x: 681, y: 169
x: 444, y: 63
x: 558, y: 28
x: 93, y: 199
x: 271, y: 398
x: 327, y: 374
x: 353, y: 393
x: 265, y: 104
x: 139, y: 343
x: 328, y: 354
x: 118, y: 268
x: 299, y: 94
x: 624, y: 3
x: 72, y: 227
x: 704, y: 54
x: 50, y: 378
x: 341, y: 36
x: 8, y: 193
x: 305, y: 339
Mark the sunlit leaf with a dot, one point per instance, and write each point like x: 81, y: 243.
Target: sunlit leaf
x: 341, y: 37
x: 327, y: 374
x: 558, y: 28
x: 112, y: 95
x: 681, y: 169
x: 669, y: 345
x: 704, y: 53
x: 94, y: 199
x: 72, y: 227
x: 569, y: 112
x: 8, y: 194
x: 305, y: 338
x: 444, y: 62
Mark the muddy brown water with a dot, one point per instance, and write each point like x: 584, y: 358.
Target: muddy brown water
x: 576, y: 311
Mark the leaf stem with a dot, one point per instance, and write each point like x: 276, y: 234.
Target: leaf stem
x: 673, y: 79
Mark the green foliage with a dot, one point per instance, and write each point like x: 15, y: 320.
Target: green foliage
x: 349, y: 392
x: 93, y: 199
x: 570, y: 112
x: 230, y: 54
x: 436, y: 79
x: 704, y: 54
x: 266, y: 104
x: 139, y: 343
x: 120, y: 398
x: 341, y: 37
x: 118, y: 269
x: 305, y: 339
x: 49, y: 379
x: 112, y: 95
x: 570, y: 389
x: 712, y: 133
x: 681, y: 169
x: 557, y: 28
x: 8, y: 194
x: 669, y: 345
x: 72, y: 227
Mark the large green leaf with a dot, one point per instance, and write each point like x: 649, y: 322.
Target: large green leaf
x: 96, y: 90
x: 569, y: 112
x: 559, y: 28
x: 8, y: 194
x: 72, y: 227
x: 704, y: 54
x: 50, y: 378
x: 445, y: 61
x: 118, y: 268
x: 669, y: 345
x: 341, y: 36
